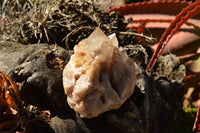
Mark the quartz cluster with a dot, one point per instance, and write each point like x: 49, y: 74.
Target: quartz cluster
x: 99, y: 76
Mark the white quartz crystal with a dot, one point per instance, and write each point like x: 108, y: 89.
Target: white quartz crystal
x: 99, y: 76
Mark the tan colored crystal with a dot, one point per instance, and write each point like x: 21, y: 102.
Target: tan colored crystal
x: 99, y: 76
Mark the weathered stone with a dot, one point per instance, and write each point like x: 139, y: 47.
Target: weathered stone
x: 153, y: 107
x: 63, y: 125
x: 38, y: 68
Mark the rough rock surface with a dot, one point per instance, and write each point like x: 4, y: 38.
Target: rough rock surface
x: 68, y: 125
x: 38, y: 68
x: 153, y: 107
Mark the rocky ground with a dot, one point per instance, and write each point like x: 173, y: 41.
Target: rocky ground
x: 155, y: 106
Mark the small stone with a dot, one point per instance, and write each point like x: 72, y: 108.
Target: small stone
x: 62, y: 125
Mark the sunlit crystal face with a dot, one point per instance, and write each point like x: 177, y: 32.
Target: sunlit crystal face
x: 98, y: 77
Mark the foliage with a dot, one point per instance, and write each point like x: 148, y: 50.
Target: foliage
x: 50, y: 21
x: 187, y: 120
x: 24, y: 21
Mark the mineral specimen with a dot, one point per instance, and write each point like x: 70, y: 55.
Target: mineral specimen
x: 99, y: 76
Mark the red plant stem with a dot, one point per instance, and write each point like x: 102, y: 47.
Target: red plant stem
x: 140, y: 30
x: 196, y: 127
x: 191, y: 76
x: 170, y: 7
x: 181, y: 43
x: 160, y: 20
x: 187, y: 56
x: 181, y: 18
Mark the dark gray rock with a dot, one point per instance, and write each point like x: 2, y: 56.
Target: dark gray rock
x: 62, y: 125
x: 153, y: 107
x: 38, y: 68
